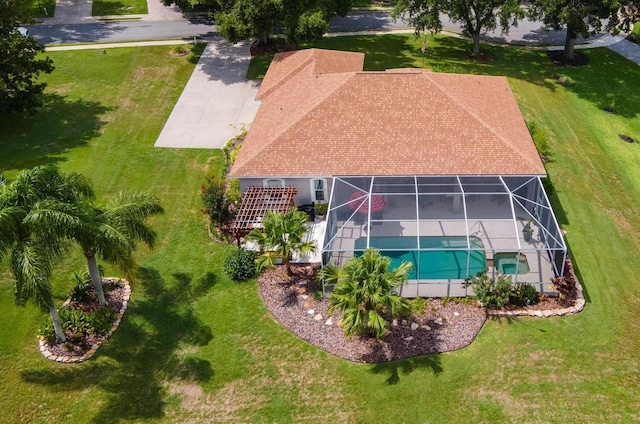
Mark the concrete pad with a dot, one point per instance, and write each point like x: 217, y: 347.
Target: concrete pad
x: 216, y: 102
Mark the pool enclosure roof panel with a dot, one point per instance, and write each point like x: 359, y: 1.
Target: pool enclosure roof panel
x: 497, y: 208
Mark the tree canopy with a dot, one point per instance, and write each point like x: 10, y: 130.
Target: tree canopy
x: 282, y: 236
x: 365, y: 292
x: 20, y: 64
x: 579, y: 17
x: 475, y: 16
x: 298, y: 20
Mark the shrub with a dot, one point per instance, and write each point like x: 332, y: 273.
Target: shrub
x: 318, y: 295
x: 100, y: 321
x: 563, y: 285
x: 72, y: 319
x: 216, y: 204
x: 240, y: 265
x: 540, y: 139
x: 83, y: 289
x: 524, y: 295
x: 47, y: 332
x: 489, y: 291
x: 418, y: 305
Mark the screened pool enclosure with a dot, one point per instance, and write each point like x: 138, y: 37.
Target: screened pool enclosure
x: 448, y: 227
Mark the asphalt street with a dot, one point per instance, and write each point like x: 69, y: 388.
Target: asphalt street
x: 527, y: 32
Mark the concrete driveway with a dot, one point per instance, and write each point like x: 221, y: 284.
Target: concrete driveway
x: 216, y: 102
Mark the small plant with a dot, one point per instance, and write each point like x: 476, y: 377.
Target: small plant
x: 318, y: 295
x: 179, y: 50
x: 240, y: 265
x: 100, y: 321
x: 83, y: 289
x: 564, y: 80
x: 47, y: 332
x: 446, y: 300
x: 524, y: 295
x: 491, y: 292
x: 418, y: 305
x: 527, y: 232
x: 563, y: 285
x: 467, y: 300
x: 321, y: 208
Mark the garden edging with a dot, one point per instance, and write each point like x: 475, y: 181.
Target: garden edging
x: 76, y: 359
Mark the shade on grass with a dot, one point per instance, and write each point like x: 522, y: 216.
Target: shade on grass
x: 195, y: 345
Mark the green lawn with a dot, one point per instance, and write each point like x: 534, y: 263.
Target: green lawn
x: 118, y: 7
x: 42, y: 8
x: 196, y: 347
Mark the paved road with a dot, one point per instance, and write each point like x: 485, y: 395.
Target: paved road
x: 527, y: 32
x: 110, y: 32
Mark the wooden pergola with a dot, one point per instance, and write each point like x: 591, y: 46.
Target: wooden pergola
x: 256, y: 201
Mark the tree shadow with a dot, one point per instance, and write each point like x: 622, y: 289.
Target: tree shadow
x: 407, y: 366
x: 146, y: 352
x: 46, y: 136
x: 605, y: 82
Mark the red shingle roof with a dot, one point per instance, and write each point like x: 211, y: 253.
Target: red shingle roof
x: 383, y: 123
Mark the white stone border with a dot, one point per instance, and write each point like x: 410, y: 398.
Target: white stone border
x: 75, y: 359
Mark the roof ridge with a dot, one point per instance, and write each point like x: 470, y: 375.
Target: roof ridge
x: 308, y: 61
x: 477, y: 117
x: 319, y: 100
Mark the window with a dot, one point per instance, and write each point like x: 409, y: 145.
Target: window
x: 273, y: 182
x: 319, y: 190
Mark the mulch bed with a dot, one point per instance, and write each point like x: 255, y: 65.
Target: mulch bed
x: 114, y: 292
x: 557, y: 58
x: 444, y: 326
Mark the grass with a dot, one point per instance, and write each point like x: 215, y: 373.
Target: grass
x: 117, y: 7
x: 42, y: 8
x: 195, y: 346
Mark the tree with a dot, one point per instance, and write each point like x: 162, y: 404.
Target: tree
x: 281, y: 237
x: 580, y: 17
x: 112, y: 232
x: 475, y: 16
x: 299, y: 20
x: 32, y: 209
x: 20, y: 66
x: 364, y: 291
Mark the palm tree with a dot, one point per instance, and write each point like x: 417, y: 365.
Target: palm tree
x: 282, y: 236
x: 113, y: 231
x: 364, y: 291
x: 33, y: 208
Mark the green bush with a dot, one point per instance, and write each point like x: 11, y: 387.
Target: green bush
x: 83, y: 289
x: 540, y: 139
x: 47, y: 332
x: 100, y: 321
x: 215, y: 201
x: 491, y: 292
x: 240, y: 265
x: 524, y: 295
x: 418, y: 305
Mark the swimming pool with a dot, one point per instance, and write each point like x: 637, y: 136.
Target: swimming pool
x: 437, y: 263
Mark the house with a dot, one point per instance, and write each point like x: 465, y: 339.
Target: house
x: 438, y: 169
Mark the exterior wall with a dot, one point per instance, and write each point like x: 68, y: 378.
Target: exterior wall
x: 303, y: 185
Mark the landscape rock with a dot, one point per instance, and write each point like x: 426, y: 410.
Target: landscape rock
x: 414, y: 326
x: 317, y: 317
